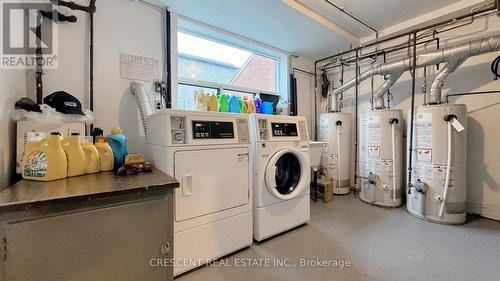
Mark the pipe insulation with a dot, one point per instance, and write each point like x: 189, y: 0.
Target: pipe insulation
x: 453, y: 56
x: 145, y: 109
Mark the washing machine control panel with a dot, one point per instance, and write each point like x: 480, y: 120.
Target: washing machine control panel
x: 212, y: 130
x: 284, y: 129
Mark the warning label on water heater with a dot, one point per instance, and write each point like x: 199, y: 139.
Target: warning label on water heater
x: 373, y: 131
x: 424, y: 130
x: 424, y: 155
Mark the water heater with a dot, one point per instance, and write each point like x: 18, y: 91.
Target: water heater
x: 381, y: 166
x: 438, y: 182
x: 335, y: 129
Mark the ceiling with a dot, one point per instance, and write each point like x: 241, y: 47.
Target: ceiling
x: 280, y: 25
x: 380, y: 14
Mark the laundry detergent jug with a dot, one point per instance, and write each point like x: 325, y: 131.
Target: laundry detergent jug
x: 77, y: 162
x: 118, y: 142
x: 106, y: 159
x: 234, y: 105
x: 241, y: 105
x: 251, y: 105
x: 223, y: 103
x: 91, y: 156
x: 246, y: 104
x: 46, y: 160
x: 32, y: 141
x: 213, y: 105
x: 201, y: 101
x: 258, y: 105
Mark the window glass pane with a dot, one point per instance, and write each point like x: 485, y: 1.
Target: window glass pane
x: 209, y: 61
x: 259, y: 73
x: 186, y: 99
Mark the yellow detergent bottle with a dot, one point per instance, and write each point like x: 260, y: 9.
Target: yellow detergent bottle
x: 213, y: 104
x: 91, y: 156
x: 46, y: 160
x: 32, y: 141
x: 106, y: 159
x: 77, y: 163
x: 251, y: 106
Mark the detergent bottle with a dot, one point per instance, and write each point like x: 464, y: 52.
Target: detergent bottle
x: 118, y: 142
x: 282, y: 108
x: 223, y: 103
x: 106, y: 159
x: 76, y: 156
x: 234, y: 105
x: 251, y: 105
x: 201, y: 101
x: 46, y: 160
x: 91, y: 156
x: 32, y: 140
x: 258, y: 105
x: 246, y: 104
x: 212, y: 103
x: 241, y: 105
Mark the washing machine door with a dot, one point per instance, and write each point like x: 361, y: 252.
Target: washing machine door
x: 285, y: 174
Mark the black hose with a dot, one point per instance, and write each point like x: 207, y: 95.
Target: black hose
x: 494, y: 68
x: 356, y: 153
x: 412, y: 112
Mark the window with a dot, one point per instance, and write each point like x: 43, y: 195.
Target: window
x: 214, y: 67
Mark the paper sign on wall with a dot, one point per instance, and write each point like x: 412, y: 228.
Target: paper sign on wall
x: 139, y: 68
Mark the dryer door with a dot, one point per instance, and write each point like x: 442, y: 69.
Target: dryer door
x: 211, y: 180
x: 285, y: 174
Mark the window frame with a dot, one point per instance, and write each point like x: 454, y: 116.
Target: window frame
x: 232, y: 40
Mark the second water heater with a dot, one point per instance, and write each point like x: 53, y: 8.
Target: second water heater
x: 380, y: 179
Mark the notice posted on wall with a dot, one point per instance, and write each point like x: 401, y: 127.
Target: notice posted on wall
x: 139, y: 68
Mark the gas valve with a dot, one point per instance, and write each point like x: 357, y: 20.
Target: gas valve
x: 420, y: 187
x: 372, y: 179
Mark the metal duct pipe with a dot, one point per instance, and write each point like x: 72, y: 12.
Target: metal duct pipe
x: 435, y: 96
x: 455, y: 55
x: 140, y: 92
x: 378, y: 96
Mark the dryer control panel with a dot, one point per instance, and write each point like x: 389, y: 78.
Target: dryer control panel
x: 212, y: 130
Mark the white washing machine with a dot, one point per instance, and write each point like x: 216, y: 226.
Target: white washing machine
x: 281, y: 174
x: 210, y: 154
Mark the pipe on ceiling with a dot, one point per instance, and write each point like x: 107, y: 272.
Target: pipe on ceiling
x: 351, y: 15
x: 453, y: 56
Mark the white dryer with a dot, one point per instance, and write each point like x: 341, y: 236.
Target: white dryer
x: 209, y: 153
x: 281, y: 173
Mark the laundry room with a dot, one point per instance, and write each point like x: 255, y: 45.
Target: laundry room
x: 249, y: 140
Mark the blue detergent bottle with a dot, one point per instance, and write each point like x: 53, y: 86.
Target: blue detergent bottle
x: 118, y: 142
x: 234, y: 105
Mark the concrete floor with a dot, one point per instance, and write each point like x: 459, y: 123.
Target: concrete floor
x: 381, y: 244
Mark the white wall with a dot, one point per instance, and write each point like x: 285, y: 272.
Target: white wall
x: 13, y: 87
x: 483, y: 134
x: 121, y: 26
